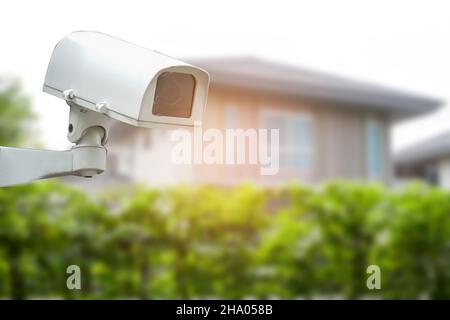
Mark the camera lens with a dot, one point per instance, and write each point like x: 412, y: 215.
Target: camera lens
x: 174, y: 95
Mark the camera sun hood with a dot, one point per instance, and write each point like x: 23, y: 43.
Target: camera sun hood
x: 117, y: 78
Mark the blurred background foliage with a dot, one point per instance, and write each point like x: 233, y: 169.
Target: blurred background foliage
x: 240, y: 242
x: 15, y: 113
x: 212, y: 242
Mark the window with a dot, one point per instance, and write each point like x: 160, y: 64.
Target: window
x: 432, y: 175
x: 130, y: 158
x: 296, y: 138
x: 374, y: 149
x: 147, y: 139
x: 231, y: 117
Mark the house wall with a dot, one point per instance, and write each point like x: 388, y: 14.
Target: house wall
x: 434, y: 171
x: 427, y: 170
x: 340, y: 142
x: 339, y: 137
x: 144, y: 155
x: 443, y: 169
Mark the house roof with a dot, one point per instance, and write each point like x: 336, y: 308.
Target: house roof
x: 428, y: 149
x: 258, y: 74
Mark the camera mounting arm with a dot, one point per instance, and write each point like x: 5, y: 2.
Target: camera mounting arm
x: 88, y: 130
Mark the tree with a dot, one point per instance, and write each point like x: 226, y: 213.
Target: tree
x: 15, y: 112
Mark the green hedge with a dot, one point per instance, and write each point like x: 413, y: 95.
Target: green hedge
x: 241, y: 242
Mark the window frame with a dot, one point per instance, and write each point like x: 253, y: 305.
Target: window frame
x: 374, y: 174
x: 293, y: 150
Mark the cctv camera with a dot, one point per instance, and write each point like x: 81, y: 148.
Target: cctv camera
x: 103, y: 78
x: 125, y: 81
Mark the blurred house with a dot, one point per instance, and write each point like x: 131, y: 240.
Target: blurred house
x: 428, y: 160
x: 330, y: 127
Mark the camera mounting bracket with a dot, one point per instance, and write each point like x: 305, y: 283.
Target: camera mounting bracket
x: 88, y: 130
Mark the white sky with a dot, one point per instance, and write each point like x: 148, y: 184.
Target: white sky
x: 405, y: 44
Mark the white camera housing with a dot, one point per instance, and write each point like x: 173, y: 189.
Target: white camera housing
x: 101, y: 77
x: 114, y: 77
